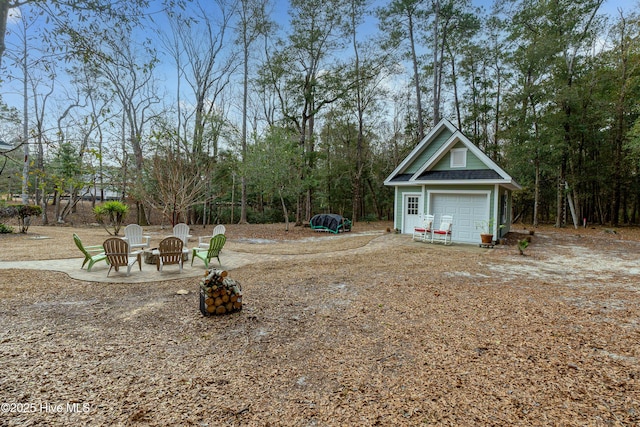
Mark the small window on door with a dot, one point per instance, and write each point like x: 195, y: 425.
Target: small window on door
x: 458, y: 158
x: 412, y: 205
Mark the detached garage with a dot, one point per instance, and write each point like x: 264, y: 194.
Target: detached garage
x: 446, y: 174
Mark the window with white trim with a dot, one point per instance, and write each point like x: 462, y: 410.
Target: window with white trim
x: 412, y: 205
x: 505, y: 206
x: 458, y: 157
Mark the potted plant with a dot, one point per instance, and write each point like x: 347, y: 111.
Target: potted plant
x: 522, y: 245
x: 486, y: 231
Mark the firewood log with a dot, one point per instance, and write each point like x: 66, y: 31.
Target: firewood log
x: 220, y: 273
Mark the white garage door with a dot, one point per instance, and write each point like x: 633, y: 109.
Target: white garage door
x: 467, y: 210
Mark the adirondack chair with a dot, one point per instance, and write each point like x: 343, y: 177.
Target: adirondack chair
x: 203, y: 241
x: 215, y: 246
x: 169, y: 251
x: 133, y: 236
x: 424, y: 230
x: 119, y: 255
x: 87, y: 250
x: 181, y: 231
x: 443, y: 233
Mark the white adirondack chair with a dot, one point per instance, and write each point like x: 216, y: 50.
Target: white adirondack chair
x: 134, y: 237
x: 181, y: 231
x: 203, y: 241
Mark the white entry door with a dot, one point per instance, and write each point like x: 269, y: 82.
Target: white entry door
x: 467, y: 210
x: 412, y: 212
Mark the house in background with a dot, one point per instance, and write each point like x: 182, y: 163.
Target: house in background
x: 5, y: 146
x: 446, y: 174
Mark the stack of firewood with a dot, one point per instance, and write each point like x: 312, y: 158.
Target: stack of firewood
x: 219, y: 294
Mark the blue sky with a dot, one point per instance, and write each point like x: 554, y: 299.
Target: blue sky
x: 610, y: 7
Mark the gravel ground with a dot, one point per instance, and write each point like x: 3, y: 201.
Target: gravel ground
x: 364, y: 328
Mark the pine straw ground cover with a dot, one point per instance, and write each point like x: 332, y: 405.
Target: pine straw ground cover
x: 372, y: 330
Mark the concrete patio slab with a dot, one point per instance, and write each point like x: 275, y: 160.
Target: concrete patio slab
x: 149, y: 273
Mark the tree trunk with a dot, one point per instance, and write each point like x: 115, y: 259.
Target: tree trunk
x: 436, y: 63
x: 4, y: 16
x: 416, y: 80
x: 376, y: 206
x: 357, y: 179
x: 536, y: 193
x: 284, y: 211
x: 245, y: 96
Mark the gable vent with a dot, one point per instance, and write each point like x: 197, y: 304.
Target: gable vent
x: 459, y: 158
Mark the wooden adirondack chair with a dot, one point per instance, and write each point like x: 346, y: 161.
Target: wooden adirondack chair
x: 169, y: 252
x: 118, y: 254
x: 215, y: 246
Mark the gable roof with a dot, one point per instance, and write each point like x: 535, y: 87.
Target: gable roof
x: 406, y: 174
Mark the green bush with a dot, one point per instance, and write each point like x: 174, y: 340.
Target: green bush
x: 522, y: 245
x: 25, y: 212
x: 370, y: 218
x: 5, y: 229
x: 111, y: 214
x: 268, y: 216
x: 22, y: 212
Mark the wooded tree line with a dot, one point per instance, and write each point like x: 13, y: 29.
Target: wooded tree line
x: 236, y: 111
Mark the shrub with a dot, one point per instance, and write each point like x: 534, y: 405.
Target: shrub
x: 522, y: 245
x: 370, y: 218
x: 8, y: 211
x: 5, y: 229
x: 267, y: 216
x: 22, y: 212
x: 25, y: 212
x: 111, y: 214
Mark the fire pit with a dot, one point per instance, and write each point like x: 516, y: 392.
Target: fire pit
x: 150, y: 256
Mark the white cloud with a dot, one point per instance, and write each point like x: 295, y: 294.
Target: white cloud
x: 14, y: 16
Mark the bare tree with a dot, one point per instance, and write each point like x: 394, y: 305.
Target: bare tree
x: 209, y: 63
x: 178, y: 183
x: 67, y: 14
x: 130, y: 74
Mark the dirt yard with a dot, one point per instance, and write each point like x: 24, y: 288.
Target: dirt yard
x: 366, y: 328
